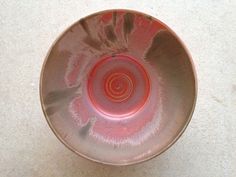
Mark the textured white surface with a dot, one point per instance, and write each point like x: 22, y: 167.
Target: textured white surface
x: 29, y: 148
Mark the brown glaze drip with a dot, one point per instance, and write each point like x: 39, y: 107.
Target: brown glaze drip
x: 85, y: 129
x: 84, y: 25
x: 128, y: 24
x: 114, y: 15
x: 94, y: 43
x: 59, y: 95
x: 167, y: 54
x: 110, y: 34
x: 164, y: 43
x: 58, y: 98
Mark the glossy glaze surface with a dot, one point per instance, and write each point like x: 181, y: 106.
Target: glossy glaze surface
x: 118, y: 87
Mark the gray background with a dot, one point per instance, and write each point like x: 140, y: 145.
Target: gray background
x: 29, y: 148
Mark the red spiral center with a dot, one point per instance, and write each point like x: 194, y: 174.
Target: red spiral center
x: 118, y: 85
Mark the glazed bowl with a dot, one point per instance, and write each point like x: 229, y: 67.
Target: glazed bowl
x: 118, y: 87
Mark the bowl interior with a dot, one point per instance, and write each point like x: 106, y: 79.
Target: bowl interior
x: 118, y: 87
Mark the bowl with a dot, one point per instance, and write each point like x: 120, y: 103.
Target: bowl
x: 118, y: 87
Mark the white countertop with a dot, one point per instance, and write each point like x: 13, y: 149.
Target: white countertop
x: 29, y: 148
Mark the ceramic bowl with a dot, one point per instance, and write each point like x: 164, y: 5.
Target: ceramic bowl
x: 118, y: 87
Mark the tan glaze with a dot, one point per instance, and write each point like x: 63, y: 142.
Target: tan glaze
x: 164, y: 52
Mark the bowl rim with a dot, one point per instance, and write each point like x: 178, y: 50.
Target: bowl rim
x: 129, y: 162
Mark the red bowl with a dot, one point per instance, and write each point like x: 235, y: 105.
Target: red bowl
x: 118, y: 87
